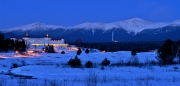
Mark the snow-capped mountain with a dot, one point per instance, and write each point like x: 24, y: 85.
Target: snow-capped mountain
x: 33, y: 26
x: 127, y: 30
x: 134, y: 25
x: 176, y: 23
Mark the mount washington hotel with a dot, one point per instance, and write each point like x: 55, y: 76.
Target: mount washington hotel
x: 43, y: 41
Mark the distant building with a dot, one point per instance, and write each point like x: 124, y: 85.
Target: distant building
x: 43, y: 41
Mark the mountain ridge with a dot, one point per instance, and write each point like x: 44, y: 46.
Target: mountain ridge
x: 134, y: 25
x: 123, y: 31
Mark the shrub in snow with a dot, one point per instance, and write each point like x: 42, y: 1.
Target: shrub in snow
x: 14, y: 65
x: 134, y: 61
x: 175, y: 68
x: 92, y: 79
x: 153, y: 62
x: 133, y: 52
x: 23, y: 63
x: 76, y: 62
x: 92, y: 50
x: 105, y: 62
x: 87, y: 51
x: 70, y: 61
x: 166, y: 53
x: 62, y: 52
x: 50, y: 49
x: 89, y: 64
x: 79, y: 51
x: 102, y: 68
x: 150, y: 63
x: 120, y: 63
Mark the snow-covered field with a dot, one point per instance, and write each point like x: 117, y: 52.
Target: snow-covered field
x: 50, y: 69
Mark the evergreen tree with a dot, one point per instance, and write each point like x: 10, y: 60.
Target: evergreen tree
x: 62, y: 52
x: 5, y: 46
x: 76, y: 62
x: 166, y: 54
x: 78, y: 43
x: 1, y: 42
x: 51, y: 49
x: 79, y: 51
x: 105, y: 62
x: 23, y: 45
x: 87, y: 51
x: 20, y: 45
x: 89, y: 64
x: 46, y: 49
x: 10, y: 44
x: 133, y: 52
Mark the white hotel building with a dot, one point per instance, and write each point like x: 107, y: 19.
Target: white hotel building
x: 43, y: 41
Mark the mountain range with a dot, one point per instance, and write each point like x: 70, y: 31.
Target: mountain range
x: 130, y: 30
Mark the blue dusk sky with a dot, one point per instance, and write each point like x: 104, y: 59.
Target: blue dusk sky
x: 15, y: 13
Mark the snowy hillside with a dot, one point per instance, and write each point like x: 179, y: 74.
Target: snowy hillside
x: 50, y: 69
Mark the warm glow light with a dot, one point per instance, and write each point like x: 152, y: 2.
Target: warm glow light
x: 103, y: 51
x: 29, y: 51
x: 28, y: 54
x: 73, y: 48
x: 16, y: 52
x: 55, y: 45
x: 3, y: 57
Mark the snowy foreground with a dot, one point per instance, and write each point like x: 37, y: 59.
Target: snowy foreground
x: 50, y: 69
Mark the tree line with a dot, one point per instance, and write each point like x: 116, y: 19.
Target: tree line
x: 166, y: 51
x: 11, y: 45
x: 165, y: 55
x: 125, y: 46
x: 122, y: 46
